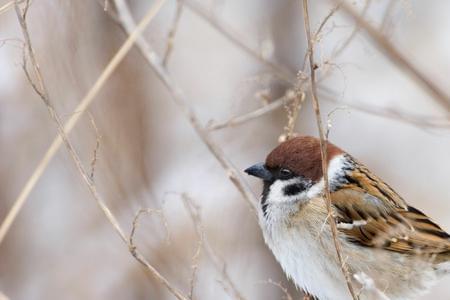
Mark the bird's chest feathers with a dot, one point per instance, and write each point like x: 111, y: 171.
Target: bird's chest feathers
x: 301, y: 249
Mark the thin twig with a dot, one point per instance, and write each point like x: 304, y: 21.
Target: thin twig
x: 303, y: 81
x: 325, y: 21
x: 180, y: 100
x: 218, y: 264
x: 281, y: 72
x: 423, y: 122
x: 98, y: 137
x: 194, y: 213
x: 292, y: 108
x: 386, y: 21
x: 172, y: 32
x: 319, y: 30
x: 283, y: 289
x: 43, y: 93
x: 398, y: 58
x: 70, y: 124
x: 323, y: 150
x: 135, y: 224
x: 337, y: 52
x: 7, y: 6
x: 195, y: 266
x: 237, y: 120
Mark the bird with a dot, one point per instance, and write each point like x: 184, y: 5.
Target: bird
x: 397, y: 250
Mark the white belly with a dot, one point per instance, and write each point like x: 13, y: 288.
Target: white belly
x: 304, y: 259
x: 306, y: 252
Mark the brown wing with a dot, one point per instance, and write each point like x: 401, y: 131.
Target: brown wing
x: 372, y: 214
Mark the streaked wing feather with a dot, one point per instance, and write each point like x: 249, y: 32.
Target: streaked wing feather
x: 383, y: 219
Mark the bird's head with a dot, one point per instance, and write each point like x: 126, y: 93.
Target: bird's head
x: 292, y: 172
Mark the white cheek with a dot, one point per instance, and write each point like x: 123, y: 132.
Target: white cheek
x: 334, y: 170
x: 276, y: 192
x: 335, y: 166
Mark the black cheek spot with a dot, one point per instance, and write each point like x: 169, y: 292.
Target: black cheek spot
x: 265, y: 194
x: 264, y: 209
x: 294, y: 189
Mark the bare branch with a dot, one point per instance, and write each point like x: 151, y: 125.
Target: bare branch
x: 195, y: 266
x: 172, y: 32
x: 325, y: 20
x: 194, y: 213
x: 292, y: 100
x: 423, y: 122
x: 135, y: 224
x: 42, y: 92
x: 141, y: 259
x: 97, y: 146
x: 286, y: 294
x: 337, y: 52
x: 387, y: 20
x: 180, y: 100
x: 237, y: 120
x: 293, y: 108
x: 7, y: 6
x: 398, y: 58
x: 323, y: 148
x: 218, y: 264
x: 319, y: 30
x: 281, y: 72
x: 70, y: 124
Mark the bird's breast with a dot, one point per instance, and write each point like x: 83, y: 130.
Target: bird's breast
x: 303, y: 249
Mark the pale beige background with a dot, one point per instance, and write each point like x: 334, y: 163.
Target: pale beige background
x: 61, y: 246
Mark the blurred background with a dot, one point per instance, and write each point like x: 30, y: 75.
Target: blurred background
x: 229, y: 58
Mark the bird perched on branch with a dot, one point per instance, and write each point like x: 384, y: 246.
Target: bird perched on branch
x: 383, y: 239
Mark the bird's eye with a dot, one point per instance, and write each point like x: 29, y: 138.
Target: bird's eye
x: 285, y: 172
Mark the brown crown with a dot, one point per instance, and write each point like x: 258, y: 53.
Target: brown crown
x: 302, y: 156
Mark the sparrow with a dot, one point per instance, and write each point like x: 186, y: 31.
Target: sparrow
x: 383, y: 239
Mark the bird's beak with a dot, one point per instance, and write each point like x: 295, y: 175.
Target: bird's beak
x: 260, y: 171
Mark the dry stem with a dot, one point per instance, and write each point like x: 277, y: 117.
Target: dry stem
x: 180, y: 100
x: 352, y: 35
x: 281, y: 72
x: 7, y: 6
x: 284, y: 290
x: 398, y: 58
x: 41, y: 90
x: 135, y: 224
x: 323, y: 151
x: 70, y: 124
x: 172, y: 32
x: 218, y: 264
x: 194, y: 213
x: 97, y: 146
x: 293, y: 108
x: 237, y: 120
